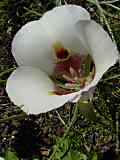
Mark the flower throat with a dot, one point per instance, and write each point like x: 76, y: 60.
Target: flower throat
x: 72, y: 71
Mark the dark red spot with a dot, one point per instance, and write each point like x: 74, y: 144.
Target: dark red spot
x: 62, y: 54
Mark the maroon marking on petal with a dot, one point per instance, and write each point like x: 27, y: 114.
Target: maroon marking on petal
x: 64, y: 67
x: 62, y: 53
x: 73, y: 72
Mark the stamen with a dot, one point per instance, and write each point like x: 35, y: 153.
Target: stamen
x: 68, y: 78
x: 70, y: 85
x: 73, y: 74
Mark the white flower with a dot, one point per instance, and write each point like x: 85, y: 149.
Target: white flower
x: 63, y: 37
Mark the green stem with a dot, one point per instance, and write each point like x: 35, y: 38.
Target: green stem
x: 110, y: 78
x: 3, y: 81
x: 12, y: 118
x: 110, y: 15
x: 33, y: 12
x: 113, y: 6
x: 7, y: 71
x: 53, y: 154
x: 72, y: 121
x: 67, y: 130
x: 108, y: 2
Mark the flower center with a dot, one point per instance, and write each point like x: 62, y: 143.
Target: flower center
x: 72, y: 71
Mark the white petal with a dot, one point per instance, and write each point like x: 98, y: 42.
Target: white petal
x: 59, y: 23
x: 28, y: 87
x: 32, y: 46
x: 101, y: 48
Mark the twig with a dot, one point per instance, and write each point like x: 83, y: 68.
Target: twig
x: 62, y: 121
x: 108, y: 2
